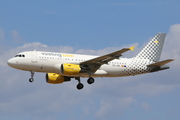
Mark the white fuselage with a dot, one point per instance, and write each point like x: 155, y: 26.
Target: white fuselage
x: 50, y: 62
x: 61, y: 67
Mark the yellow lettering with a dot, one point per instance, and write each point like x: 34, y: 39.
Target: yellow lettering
x: 67, y: 55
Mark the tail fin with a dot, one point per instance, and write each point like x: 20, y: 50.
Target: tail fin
x: 153, y: 49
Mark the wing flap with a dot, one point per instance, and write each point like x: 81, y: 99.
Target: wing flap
x: 161, y: 63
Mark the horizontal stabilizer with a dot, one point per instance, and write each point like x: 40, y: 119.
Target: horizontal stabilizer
x: 161, y: 63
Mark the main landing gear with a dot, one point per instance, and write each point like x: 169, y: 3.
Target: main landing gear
x: 80, y: 85
x: 90, y: 80
x: 32, y: 75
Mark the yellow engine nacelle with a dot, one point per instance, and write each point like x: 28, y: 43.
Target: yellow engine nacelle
x: 70, y: 69
x: 54, y: 78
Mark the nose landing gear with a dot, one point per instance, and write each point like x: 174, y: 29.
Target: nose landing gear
x: 31, y: 79
x: 32, y: 75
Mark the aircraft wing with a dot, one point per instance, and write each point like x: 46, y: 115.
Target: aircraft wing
x: 94, y: 64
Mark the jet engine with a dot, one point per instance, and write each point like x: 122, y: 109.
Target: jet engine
x: 70, y: 69
x: 54, y: 78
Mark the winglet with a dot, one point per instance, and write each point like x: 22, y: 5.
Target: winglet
x: 132, y: 48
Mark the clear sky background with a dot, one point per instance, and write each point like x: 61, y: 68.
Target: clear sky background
x: 89, y: 27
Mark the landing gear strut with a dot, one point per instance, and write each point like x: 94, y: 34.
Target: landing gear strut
x: 79, y: 85
x: 32, y: 75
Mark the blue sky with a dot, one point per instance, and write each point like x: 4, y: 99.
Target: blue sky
x: 83, y: 23
x: 89, y: 27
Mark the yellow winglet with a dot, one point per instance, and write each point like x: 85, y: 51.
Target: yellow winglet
x: 132, y: 48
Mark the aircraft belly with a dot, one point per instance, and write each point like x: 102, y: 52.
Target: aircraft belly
x: 112, y: 70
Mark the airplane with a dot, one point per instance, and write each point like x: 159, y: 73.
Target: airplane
x: 62, y: 67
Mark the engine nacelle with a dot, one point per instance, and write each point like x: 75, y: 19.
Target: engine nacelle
x: 70, y: 69
x: 54, y: 78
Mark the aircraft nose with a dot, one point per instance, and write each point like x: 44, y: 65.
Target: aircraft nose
x: 10, y: 62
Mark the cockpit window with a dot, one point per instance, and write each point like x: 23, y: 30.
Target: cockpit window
x: 20, y: 55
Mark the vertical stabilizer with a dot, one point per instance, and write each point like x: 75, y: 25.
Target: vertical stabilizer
x: 152, y: 51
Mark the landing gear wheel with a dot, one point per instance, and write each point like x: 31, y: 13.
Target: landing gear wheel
x: 32, y: 75
x: 80, y: 86
x: 31, y: 80
x: 90, y: 80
